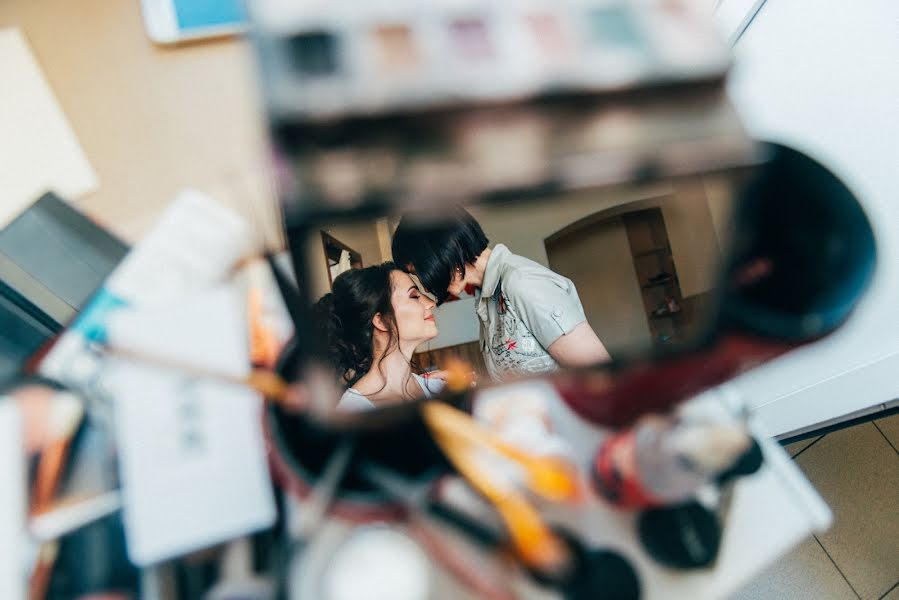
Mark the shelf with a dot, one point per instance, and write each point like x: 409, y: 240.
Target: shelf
x: 658, y: 284
x: 665, y: 315
x: 663, y: 250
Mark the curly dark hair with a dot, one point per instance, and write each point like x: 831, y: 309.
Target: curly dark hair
x: 344, y: 317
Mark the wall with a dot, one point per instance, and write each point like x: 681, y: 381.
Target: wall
x: 613, y: 303
x: 823, y: 77
x: 719, y: 193
x: 691, y: 230
x: 361, y: 237
x: 525, y: 227
x: 693, y: 239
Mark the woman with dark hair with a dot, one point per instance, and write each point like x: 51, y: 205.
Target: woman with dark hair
x: 531, y: 318
x: 372, y: 322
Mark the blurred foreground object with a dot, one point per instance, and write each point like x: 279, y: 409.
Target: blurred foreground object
x: 173, y: 298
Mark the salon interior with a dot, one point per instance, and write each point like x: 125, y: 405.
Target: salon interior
x: 668, y: 373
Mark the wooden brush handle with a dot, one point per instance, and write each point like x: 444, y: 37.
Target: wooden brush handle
x: 550, y: 477
x: 267, y: 383
x: 533, y: 540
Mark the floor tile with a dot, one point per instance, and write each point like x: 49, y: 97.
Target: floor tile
x: 856, y: 471
x: 797, y: 447
x: 893, y: 594
x: 889, y: 426
x: 804, y: 574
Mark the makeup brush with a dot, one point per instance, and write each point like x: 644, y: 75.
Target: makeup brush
x: 289, y: 293
x: 70, y: 514
x: 551, y: 477
x: 267, y: 383
x: 66, y: 413
x: 488, y: 580
x: 533, y: 540
x: 459, y: 375
x: 416, y: 498
x: 65, y: 416
x: 263, y: 342
x: 316, y: 505
x: 43, y: 569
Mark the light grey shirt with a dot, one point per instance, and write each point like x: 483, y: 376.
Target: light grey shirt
x: 353, y: 400
x: 523, y: 308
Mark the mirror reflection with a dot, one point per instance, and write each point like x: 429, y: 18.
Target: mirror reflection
x: 516, y: 288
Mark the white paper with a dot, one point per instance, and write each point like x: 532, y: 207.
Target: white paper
x: 194, y: 246
x: 191, y: 461
x: 195, y: 243
x: 12, y: 502
x: 191, y: 454
x: 38, y: 149
x: 205, y: 329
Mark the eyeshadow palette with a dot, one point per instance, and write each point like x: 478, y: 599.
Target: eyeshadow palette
x: 399, y: 101
x: 327, y: 60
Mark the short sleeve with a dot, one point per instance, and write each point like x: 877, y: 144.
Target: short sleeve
x: 431, y: 387
x: 547, y: 303
x: 352, y: 401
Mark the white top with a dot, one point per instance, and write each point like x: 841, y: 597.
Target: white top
x: 353, y: 400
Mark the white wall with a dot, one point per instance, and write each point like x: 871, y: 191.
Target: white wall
x: 824, y: 77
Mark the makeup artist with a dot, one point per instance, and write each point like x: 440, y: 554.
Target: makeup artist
x: 372, y: 322
x: 531, y: 318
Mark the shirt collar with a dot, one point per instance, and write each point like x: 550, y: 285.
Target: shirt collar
x: 493, y: 269
x: 492, y: 273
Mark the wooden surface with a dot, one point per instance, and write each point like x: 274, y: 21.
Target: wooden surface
x: 152, y: 120
x: 470, y: 352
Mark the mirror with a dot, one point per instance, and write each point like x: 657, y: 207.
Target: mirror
x: 610, y: 201
x: 802, y: 255
x: 637, y: 193
x: 625, y: 199
x: 644, y: 261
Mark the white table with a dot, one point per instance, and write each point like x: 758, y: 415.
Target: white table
x: 772, y: 511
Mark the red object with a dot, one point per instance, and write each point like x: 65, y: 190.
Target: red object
x: 616, y: 474
x: 672, y: 304
x: 617, y: 399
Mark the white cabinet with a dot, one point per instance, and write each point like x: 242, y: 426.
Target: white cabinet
x: 823, y: 77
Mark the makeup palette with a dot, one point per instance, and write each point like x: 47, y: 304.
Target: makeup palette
x: 410, y: 102
x: 323, y: 60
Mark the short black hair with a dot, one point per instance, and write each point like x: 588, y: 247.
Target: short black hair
x: 436, y: 246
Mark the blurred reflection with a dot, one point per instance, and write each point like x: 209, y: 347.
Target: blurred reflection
x: 642, y: 262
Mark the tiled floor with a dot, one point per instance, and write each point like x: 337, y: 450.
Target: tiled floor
x: 856, y: 471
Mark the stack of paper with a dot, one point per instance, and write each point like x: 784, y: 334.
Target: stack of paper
x: 38, y: 149
x: 12, y: 502
x: 191, y: 455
